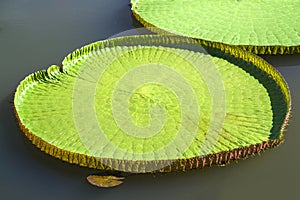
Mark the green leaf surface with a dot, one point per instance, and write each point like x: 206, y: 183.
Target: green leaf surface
x: 264, y: 26
x: 145, y: 98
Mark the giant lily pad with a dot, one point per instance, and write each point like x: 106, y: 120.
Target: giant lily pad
x: 262, y: 27
x: 154, y: 103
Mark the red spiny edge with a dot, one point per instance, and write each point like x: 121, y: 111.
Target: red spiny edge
x: 222, y: 158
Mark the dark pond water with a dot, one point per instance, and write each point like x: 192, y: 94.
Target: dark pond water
x: 35, y: 34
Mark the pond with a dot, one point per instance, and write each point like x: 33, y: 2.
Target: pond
x: 36, y: 34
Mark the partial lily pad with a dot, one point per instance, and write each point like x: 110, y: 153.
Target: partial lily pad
x: 154, y: 103
x: 262, y: 27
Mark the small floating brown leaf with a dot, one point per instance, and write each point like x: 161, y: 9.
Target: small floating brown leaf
x: 105, y: 181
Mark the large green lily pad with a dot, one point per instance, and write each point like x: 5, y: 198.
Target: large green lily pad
x: 262, y: 27
x: 150, y: 103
